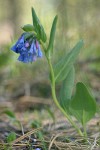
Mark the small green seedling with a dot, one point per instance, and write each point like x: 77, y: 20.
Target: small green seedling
x: 10, y: 138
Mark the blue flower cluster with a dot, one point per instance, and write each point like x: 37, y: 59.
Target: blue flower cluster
x: 29, y: 49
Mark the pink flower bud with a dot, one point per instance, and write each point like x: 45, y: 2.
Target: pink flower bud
x: 37, y: 45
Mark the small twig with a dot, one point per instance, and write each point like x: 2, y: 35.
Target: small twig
x: 60, y: 143
x: 54, y: 140
x: 25, y: 135
x: 22, y: 128
x: 94, y: 143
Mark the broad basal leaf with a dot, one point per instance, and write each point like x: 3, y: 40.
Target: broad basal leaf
x: 83, y: 105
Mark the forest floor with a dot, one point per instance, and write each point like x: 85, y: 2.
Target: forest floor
x: 33, y: 122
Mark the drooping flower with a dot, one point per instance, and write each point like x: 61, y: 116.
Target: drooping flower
x: 29, y: 49
x: 19, y: 44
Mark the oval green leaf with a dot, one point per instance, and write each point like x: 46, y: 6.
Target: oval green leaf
x: 66, y: 89
x: 38, y: 27
x: 52, y: 37
x: 28, y: 28
x: 83, y: 105
x: 62, y: 68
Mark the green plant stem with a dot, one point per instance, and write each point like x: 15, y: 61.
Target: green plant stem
x: 43, y: 45
x: 85, y: 133
x: 56, y: 101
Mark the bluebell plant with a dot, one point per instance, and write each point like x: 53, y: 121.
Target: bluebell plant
x: 81, y: 104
